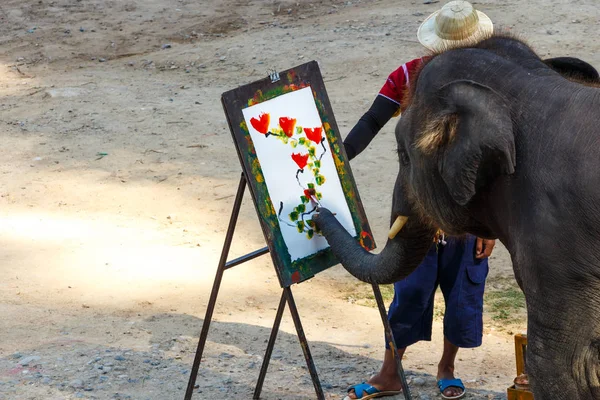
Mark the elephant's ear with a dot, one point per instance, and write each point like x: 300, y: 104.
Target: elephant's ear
x: 482, y: 146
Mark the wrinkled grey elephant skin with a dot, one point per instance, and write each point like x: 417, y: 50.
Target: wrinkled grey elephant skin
x: 497, y: 144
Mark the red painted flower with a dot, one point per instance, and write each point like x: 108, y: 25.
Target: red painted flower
x: 314, y: 134
x: 366, y: 240
x: 287, y: 124
x: 296, y: 277
x: 301, y: 159
x: 261, y: 124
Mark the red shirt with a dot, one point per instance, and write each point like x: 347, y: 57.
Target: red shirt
x: 399, y: 81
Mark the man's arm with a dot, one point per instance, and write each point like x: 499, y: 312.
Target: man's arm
x: 381, y: 111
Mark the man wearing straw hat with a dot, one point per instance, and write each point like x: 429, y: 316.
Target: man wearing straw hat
x: 458, y: 265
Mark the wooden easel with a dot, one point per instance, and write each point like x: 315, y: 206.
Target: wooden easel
x: 286, y: 297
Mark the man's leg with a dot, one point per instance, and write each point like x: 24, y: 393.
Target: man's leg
x: 387, y: 378
x: 462, y: 280
x: 410, y: 316
x: 446, y: 367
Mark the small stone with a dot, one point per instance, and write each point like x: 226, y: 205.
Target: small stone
x: 76, y: 384
x: 165, y: 46
x: 431, y: 381
x: 102, y: 59
x: 81, y: 30
x: 28, y: 360
x: 346, y: 369
x: 94, y: 360
x: 418, y: 382
x: 119, y: 358
x: 16, y: 356
x: 223, y: 58
x: 106, y: 370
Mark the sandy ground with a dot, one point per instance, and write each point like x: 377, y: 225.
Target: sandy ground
x: 118, y: 175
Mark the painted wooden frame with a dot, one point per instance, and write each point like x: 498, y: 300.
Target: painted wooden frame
x: 311, y: 149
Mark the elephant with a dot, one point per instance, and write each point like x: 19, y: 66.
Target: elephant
x: 496, y: 143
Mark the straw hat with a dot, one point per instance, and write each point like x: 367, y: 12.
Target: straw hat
x: 456, y: 23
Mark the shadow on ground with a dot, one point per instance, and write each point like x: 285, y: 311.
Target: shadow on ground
x: 70, y: 367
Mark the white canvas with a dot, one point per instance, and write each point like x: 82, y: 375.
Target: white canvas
x: 279, y: 169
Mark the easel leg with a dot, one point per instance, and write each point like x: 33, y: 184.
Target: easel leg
x: 304, y: 343
x: 215, y: 289
x: 390, y: 339
x: 265, y: 363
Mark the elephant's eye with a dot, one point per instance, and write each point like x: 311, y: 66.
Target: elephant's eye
x: 403, y: 157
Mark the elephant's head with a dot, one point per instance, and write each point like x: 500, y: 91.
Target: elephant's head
x: 455, y: 139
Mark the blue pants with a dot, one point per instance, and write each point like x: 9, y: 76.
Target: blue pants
x: 462, y: 279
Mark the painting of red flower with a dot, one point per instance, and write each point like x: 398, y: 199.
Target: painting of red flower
x: 262, y: 123
x: 300, y: 159
x: 314, y: 134
x: 287, y: 125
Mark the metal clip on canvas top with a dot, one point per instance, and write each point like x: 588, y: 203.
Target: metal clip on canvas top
x: 274, y: 75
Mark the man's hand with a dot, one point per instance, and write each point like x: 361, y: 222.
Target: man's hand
x: 484, y: 248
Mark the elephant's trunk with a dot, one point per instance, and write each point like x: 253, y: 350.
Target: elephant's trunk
x: 397, y: 260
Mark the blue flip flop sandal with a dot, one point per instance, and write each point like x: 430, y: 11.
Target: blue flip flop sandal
x: 364, y: 391
x: 444, y: 384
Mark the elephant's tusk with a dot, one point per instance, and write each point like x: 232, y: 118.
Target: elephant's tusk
x: 397, y: 226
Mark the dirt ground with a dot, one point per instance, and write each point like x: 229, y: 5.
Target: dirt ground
x: 118, y: 174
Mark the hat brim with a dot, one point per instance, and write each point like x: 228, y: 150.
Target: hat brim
x: 429, y: 38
